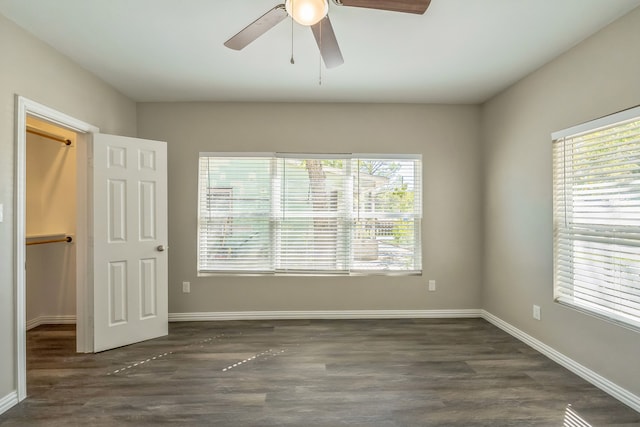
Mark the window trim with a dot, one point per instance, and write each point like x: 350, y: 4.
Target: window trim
x: 350, y: 271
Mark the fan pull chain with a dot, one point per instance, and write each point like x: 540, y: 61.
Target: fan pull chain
x: 320, y: 58
x: 292, y: 61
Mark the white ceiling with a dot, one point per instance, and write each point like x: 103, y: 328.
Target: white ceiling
x: 459, y: 51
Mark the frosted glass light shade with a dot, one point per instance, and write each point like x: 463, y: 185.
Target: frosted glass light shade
x: 307, y: 12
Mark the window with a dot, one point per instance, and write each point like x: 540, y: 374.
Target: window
x: 596, y: 197
x: 309, y: 213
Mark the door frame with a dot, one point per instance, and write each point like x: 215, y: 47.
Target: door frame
x: 84, y: 306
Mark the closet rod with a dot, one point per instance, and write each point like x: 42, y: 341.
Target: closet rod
x: 67, y: 239
x: 38, y: 132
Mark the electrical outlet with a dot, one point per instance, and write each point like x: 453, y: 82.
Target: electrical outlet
x: 1, y: 212
x: 536, y: 312
x: 432, y: 285
x: 186, y: 287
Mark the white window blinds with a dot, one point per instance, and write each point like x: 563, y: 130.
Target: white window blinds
x: 387, y: 214
x: 309, y: 213
x: 312, y: 214
x: 596, y: 195
x: 234, y: 214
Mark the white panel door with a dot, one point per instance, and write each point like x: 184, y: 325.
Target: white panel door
x: 130, y: 273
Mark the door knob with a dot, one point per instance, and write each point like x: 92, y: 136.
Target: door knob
x: 161, y: 248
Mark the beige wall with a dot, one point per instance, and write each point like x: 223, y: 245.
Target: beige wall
x: 596, y: 78
x: 446, y: 136
x: 32, y: 69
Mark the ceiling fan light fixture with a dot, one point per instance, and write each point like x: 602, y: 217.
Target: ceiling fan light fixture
x: 307, y: 12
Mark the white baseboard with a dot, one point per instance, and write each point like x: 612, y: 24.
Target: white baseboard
x: 8, y: 402
x: 585, y: 373
x: 331, y: 314
x: 51, y: 320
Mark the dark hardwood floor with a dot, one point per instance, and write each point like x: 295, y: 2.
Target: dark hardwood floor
x: 427, y: 372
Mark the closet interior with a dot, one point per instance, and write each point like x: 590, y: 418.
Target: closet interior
x: 50, y: 224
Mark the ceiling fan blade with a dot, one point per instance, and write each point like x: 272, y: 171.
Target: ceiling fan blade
x: 257, y: 28
x: 327, y: 43
x: 407, y: 6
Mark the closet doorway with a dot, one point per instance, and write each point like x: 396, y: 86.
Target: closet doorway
x: 52, y: 122
x: 51, y: 206
x: 50, y: 249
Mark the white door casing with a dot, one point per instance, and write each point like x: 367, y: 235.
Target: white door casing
x: 130, y: 273
x: 27, y: 107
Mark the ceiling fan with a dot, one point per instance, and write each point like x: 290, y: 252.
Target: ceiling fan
x: 314, y: 14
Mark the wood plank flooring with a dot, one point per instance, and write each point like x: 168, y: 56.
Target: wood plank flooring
x: 423, y: 372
